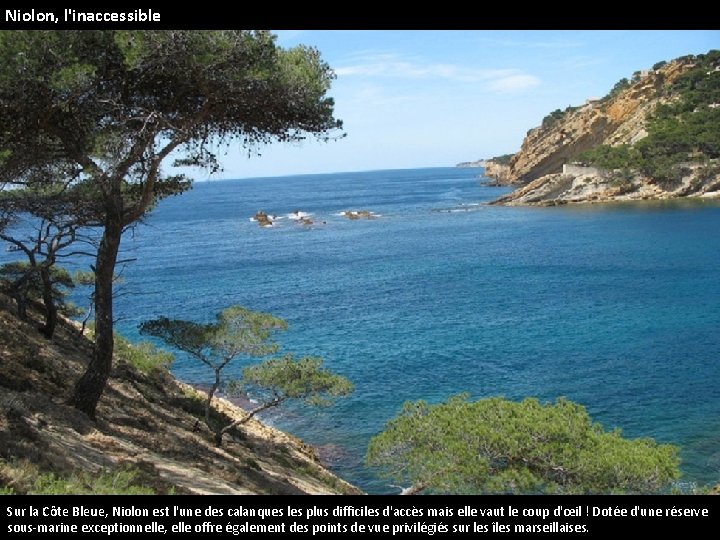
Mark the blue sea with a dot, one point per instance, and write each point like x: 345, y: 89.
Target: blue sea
x: 616, y: 306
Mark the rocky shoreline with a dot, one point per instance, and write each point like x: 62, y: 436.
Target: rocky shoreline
x: 579, y: 188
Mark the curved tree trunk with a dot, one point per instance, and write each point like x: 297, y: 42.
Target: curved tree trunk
x: 91, y: 385
x: 210, y: 394
x: 260, y: 408
x: 86, y: 318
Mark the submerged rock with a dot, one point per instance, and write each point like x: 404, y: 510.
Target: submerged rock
x: 262, y: 219
x: 359, y: 214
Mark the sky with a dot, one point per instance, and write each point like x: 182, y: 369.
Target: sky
x: 411, y: 99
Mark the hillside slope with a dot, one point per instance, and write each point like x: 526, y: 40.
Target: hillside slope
x: 146, y: 424
x: 546, y: 167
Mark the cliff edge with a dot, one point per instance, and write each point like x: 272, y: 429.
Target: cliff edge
x: 621, y: 147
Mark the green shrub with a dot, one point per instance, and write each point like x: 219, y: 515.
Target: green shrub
x: 611, y: 157
x: 499, y: 446
x: 557, y: 115
x: 621, y: 85
x: 24, y: 477
x: 685, y: 130
x: 144, y: 356
x: 109, y: 483
x: 503, y: 159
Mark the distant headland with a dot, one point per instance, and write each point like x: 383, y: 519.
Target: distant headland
x: 654, y: 136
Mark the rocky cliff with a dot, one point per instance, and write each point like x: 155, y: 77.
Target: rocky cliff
x: 500, y: 173
x: 621, y: 118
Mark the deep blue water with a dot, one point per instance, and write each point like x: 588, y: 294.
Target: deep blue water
x: 616, y: 307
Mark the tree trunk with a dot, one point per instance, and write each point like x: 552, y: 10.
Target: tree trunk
x: 21, y: 301
x: 20, y: 292
x: 210, y: 394
x: 219, y: 437
x: 91, y: 385
x: 260, y: 408
x: 86, y: 318
x: 51, y: 310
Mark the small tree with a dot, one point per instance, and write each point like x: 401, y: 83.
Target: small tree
x: 26, y: 283
x: 237, y: 332
x: 106, y: 111
x: 41, y: 223
x: 279, y: 380
x: 240, y: 332
x: 499, y: 446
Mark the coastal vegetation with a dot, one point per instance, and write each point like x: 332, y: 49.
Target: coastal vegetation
x: 147, y: 440
x: 143, y: 356
x: 620, y: 86
x: 278, y: 380
x: 239, y: 332
x: 556, y: 116
x: 110, y: 108
x: 26, y: 282
x: 25, y: 478
x: 684, y: 130
x: 495, y: 445
x: 503, y: 159
x: 84, y: 163
x: 655, y: 135
x: 41, y: 223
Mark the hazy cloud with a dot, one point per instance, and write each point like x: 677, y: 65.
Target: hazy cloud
x: 494, y: 80
x: 533, y: 43
x: 513, y: 83
x: 377, y: 95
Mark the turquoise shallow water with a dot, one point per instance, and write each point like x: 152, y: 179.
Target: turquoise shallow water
x: 616, y: 307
